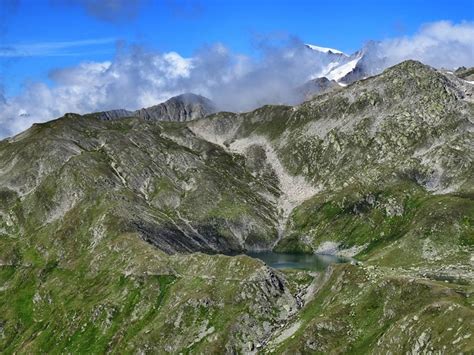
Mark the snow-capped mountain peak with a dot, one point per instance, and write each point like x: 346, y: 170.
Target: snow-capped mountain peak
x: 335, y: 68
x: 325, y: 49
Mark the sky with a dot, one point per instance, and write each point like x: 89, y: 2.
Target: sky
x: 79, y: 55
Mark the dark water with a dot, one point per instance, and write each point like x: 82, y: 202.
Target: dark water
x: 313, y: 262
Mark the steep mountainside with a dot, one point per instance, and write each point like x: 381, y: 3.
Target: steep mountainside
x: 180, y: 108
x: 409, y: 128
x: 103, y: 222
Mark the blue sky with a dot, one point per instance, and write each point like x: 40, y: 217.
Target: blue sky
x: 42, y: 35
x: 59, y: 56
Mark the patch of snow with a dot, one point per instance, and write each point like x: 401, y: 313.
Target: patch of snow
x: 341, y: 71
x: 325, y: 70
x: 325, y: 49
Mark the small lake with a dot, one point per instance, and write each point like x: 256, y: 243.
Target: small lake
x: 313, y: 262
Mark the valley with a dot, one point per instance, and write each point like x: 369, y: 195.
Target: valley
x: 114, y: 230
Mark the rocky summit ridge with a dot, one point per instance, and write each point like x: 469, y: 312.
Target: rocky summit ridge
x: 179, y: 108
x: 111, y: 230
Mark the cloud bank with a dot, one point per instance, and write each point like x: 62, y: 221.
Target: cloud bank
x: 439, y: 44
x: 138, y: 77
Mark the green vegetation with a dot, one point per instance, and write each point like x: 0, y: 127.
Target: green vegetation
x: 103, y: 225
x: 377, y: 219
x: 363, y: 312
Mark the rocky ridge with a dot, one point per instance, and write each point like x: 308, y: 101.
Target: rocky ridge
x: 180, y: 108
x: 102, y: 226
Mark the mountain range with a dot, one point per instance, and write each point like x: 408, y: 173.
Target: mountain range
x: 338, y: 70
x: 126, y: 231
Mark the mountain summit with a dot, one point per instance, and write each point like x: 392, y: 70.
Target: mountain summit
x: 345, y: 69
x: 325, y: 50
x: 179, y: 108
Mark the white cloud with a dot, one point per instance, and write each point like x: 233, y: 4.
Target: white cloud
x: 440, y: 44
x: 137, y: 77
x: 134, y: 79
